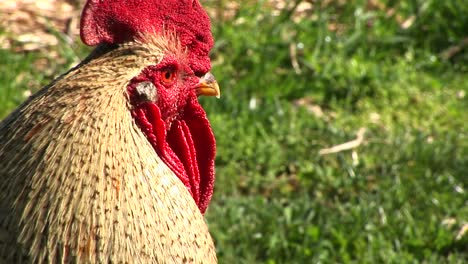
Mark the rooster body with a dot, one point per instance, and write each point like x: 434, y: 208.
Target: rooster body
x: 82, y: 180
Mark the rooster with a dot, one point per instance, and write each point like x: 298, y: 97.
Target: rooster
x: 113, y: 162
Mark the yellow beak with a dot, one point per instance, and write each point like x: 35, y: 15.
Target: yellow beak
x: 208, y: 86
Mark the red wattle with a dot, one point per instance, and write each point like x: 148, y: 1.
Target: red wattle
x: 188, y: 148
x: 205, y: 148
x: 180, y: 141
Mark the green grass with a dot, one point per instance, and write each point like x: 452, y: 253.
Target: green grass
x: 276, y: 199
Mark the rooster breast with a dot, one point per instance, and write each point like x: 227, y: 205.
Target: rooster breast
x: 79, y: 181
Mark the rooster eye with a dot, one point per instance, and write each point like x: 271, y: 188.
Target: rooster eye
x: 168, y: 76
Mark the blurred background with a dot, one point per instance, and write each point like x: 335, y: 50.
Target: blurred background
x: 342, y: 127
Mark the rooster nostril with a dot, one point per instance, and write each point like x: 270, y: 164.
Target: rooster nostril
x: 146, y: 92
x: 199, y: 74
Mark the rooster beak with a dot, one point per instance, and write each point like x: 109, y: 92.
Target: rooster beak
x: 208, y: 86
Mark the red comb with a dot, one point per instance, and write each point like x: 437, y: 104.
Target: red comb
x: 118, y: 21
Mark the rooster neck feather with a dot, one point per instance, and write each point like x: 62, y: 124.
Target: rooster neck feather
x: 125, y: 205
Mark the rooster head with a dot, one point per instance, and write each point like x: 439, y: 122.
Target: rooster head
x: 164, y: 96
x: 118, y: 21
